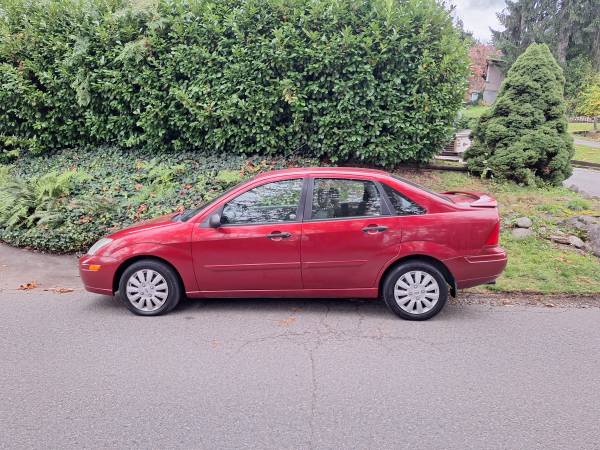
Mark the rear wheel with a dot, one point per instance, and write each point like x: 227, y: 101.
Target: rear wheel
x: 415, y: 290
x: 150, y: 288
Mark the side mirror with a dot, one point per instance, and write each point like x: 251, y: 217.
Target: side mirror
x: 214, y: 221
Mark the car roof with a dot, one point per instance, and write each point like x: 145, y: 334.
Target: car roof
x: 321, y: 170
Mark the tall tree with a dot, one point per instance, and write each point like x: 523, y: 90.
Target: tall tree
x: 570, y: 28
x: 589, y: 104
x: 524, y: 135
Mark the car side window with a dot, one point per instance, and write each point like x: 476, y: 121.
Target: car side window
x: 335, y: 198
x: 269, y: 203
x: 401, y: 206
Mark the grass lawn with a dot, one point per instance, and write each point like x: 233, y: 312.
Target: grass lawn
x: 588, y: 154
x: 572, y: 127
x: 535, y: 264
x: 474, y: 112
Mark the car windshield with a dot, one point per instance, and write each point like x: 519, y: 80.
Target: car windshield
x: 423, y: 188
x: 189, y: 213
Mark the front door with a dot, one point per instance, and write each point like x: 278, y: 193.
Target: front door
x: 346, y: 237
x: 257, y: 247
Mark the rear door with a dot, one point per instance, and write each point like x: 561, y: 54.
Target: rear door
x: 348, y: 234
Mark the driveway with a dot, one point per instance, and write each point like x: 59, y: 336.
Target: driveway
x: 587, y: 142
x: 585, y: 180
x: 79, y: 371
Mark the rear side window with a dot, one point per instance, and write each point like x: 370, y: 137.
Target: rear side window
x: 402, y: 206
x: 335, y: 198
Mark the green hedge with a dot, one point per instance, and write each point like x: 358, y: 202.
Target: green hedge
x: 373, y: 80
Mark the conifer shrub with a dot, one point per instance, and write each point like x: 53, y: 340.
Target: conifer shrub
x: 523, y: 136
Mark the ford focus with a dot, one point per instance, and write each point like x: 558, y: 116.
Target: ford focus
x: 307, y: 233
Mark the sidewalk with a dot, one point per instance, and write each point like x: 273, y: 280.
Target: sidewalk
x: 18, y: 266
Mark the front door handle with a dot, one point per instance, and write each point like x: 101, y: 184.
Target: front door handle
x: 278, y: 235
x: 374, y: 229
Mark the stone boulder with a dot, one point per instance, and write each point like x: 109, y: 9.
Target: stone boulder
x: 590, y: 228
x: 524, y: 222
x: 593, y: 239
x: 576, y: 242
x: 521, y: 233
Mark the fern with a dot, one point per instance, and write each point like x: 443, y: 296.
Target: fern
x: 37, y: 202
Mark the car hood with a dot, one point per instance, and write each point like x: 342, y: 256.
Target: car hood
x: 157, y: 222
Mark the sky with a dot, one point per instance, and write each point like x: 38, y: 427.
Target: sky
x: 479, y: 15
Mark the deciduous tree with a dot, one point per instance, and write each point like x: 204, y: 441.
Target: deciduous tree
x: 589, y: 102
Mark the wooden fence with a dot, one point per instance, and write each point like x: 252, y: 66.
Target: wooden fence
x: 583, y: 119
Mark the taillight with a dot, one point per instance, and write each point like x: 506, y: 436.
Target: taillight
x: 494, y: 236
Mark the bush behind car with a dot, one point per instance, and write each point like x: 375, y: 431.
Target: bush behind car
x: 375, y: 81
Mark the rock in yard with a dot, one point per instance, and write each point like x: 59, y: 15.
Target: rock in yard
x: 574, y: 222
x: 524, y: 222
x: 593, y: 239
x: 560, y: 238
x: 521, y: 233
x: 576, y: 242
x: 589, y: 220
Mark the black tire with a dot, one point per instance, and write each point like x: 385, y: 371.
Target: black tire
x: 174, y: 289
x: 412, y: 267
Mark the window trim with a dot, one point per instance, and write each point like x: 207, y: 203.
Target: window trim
x: 391, y: 205
x: 307, y: 216
x: 299, y: 209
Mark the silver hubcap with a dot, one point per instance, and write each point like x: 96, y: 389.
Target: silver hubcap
x: 416, y: 292
x: 147, y: 290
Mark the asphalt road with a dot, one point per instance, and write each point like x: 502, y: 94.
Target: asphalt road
x: 79, y: 371
x: 585, y: 180
x: 582, y: 141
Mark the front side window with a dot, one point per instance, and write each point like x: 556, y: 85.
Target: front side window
x: 401, y: 205
x: 338, y: 198
x: 268, y: 203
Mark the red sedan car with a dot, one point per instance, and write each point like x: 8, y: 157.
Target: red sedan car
x: 308, y: 232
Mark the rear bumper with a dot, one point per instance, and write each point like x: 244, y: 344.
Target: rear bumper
x: 99, y: 280
x: 480, y: 269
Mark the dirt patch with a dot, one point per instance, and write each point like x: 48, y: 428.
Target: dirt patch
x: 527, y: 299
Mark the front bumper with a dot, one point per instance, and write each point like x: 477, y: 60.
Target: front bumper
x: 479, y: 269
x: 98, y: 273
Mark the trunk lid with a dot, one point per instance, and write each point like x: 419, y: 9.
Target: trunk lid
x: 473, y: 199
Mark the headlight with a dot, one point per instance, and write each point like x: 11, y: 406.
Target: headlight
x: 98, y: 245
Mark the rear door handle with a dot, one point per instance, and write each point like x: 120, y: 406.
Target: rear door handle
x: 374, y: 229
x: 279, y: 235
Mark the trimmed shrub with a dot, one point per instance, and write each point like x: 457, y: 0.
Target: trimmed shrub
x: 524, y: 135
x: 373, y: 80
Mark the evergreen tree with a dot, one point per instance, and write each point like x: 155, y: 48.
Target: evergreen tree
x: 571, y: 28
x: 524, y: 135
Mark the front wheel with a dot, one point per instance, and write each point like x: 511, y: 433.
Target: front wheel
x: 415, y: 290
x: 150, y: 288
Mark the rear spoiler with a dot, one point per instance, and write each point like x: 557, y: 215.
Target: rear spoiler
x: 480, y: 200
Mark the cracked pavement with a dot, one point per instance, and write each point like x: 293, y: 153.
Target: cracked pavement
x: 79, y: 371
x: 490, y: 371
